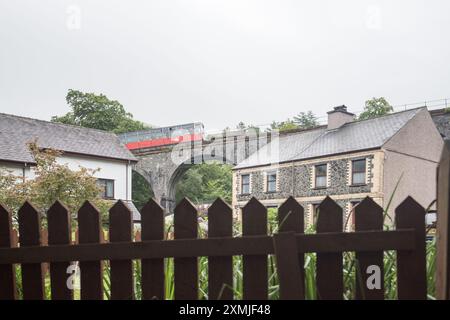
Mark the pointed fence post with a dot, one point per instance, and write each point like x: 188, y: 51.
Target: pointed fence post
x: 411, y: 265
x: 254, y: 222
x: 7, y: 271
x: 443, y: 225
x: 220, y: 269
x: 89, y: 231
x: 30, y: 235
x: 291, y: 219
x: 329, y: 266
x: 152, y: 228
x: 288, y: 268
x: 59, y: 232
x: 120, y: 230
x: 368, y: 217
x: 186, y: 269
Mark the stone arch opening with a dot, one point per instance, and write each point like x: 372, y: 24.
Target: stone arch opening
x: 181, y: 172
x: 141, y: 188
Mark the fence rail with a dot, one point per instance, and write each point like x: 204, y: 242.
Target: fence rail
x: 289, y: 246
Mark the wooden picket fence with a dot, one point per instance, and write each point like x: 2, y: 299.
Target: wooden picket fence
x: 289, y: 246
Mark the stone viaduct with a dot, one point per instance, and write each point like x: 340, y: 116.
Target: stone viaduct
x: 162, y: 167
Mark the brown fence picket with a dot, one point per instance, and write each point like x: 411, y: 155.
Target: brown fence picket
x: 291, y: 218
x: 411, y: 265
x: 121, y: 230
x: 30, y: 235
x: 186, y: 269
x: 289, y: 275
x: 443, y: 225
x: 220, y: 269
x: 254, y: 222
x: 59, y: 232
x: 89, y: 231
x: 7, y: 271
x: 329, y: 277
x: 368, y: 216
x: 152, y: 228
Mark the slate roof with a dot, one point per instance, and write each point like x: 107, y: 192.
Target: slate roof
x: 16, y: 132
x: 315, y: 143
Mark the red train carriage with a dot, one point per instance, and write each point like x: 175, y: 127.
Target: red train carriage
x: 158, y: 137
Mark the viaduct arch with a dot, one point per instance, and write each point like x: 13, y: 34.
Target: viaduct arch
x: 162, y: 167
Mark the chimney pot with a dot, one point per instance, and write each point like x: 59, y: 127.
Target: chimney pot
x: 338, y: 117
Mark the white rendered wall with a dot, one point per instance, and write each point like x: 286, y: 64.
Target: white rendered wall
x: 119, y: 171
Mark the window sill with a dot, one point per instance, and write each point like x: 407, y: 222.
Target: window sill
x: 244, y: 194
x: 270, y: 192
x: 358, y: 184
x: 319, y: 188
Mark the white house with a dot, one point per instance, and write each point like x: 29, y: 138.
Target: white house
x: 88, y: 148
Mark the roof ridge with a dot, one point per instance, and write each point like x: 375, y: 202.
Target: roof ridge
x: 65, y: 137
x: 383, y: 116
x: 58, y: 123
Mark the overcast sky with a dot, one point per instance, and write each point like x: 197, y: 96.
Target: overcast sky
x: 221, y: 62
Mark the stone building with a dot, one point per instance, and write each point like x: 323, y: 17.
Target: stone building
x: 386, y: 158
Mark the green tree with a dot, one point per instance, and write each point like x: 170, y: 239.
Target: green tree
x: 141, y: 190
x: 205, y: 182
x: 97, y: 111
x: 283, y: 125
x: 53, y: 181
x: 375, y: 107
x: 306, y: 120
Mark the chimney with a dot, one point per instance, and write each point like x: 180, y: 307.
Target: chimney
x: 339, y: 116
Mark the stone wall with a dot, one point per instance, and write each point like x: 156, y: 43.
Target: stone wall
x: 296, y: 180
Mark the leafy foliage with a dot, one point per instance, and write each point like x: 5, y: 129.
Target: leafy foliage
x: 375, y: 107
x: 141, y: 190
x: 97, y: 111
x: 205, y: 182
x: 53, y: 181
x: 306, y: 120
x: 283, y: 125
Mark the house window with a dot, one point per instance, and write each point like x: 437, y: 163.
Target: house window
x: 245, y: 184
x: 359, y: 171
x: 271, y: 182
x: 321, y: 176
x: 107, y: 187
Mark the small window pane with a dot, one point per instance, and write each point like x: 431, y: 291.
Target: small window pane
x: 359, y: 171
x: 107, y: 187
x: 359, y: 178
x: 245, y: 184
x: 321, y: 170
x: 271, y: 182
x: 321, y: 176
x: 359, y: 165
x: 321, y: 182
